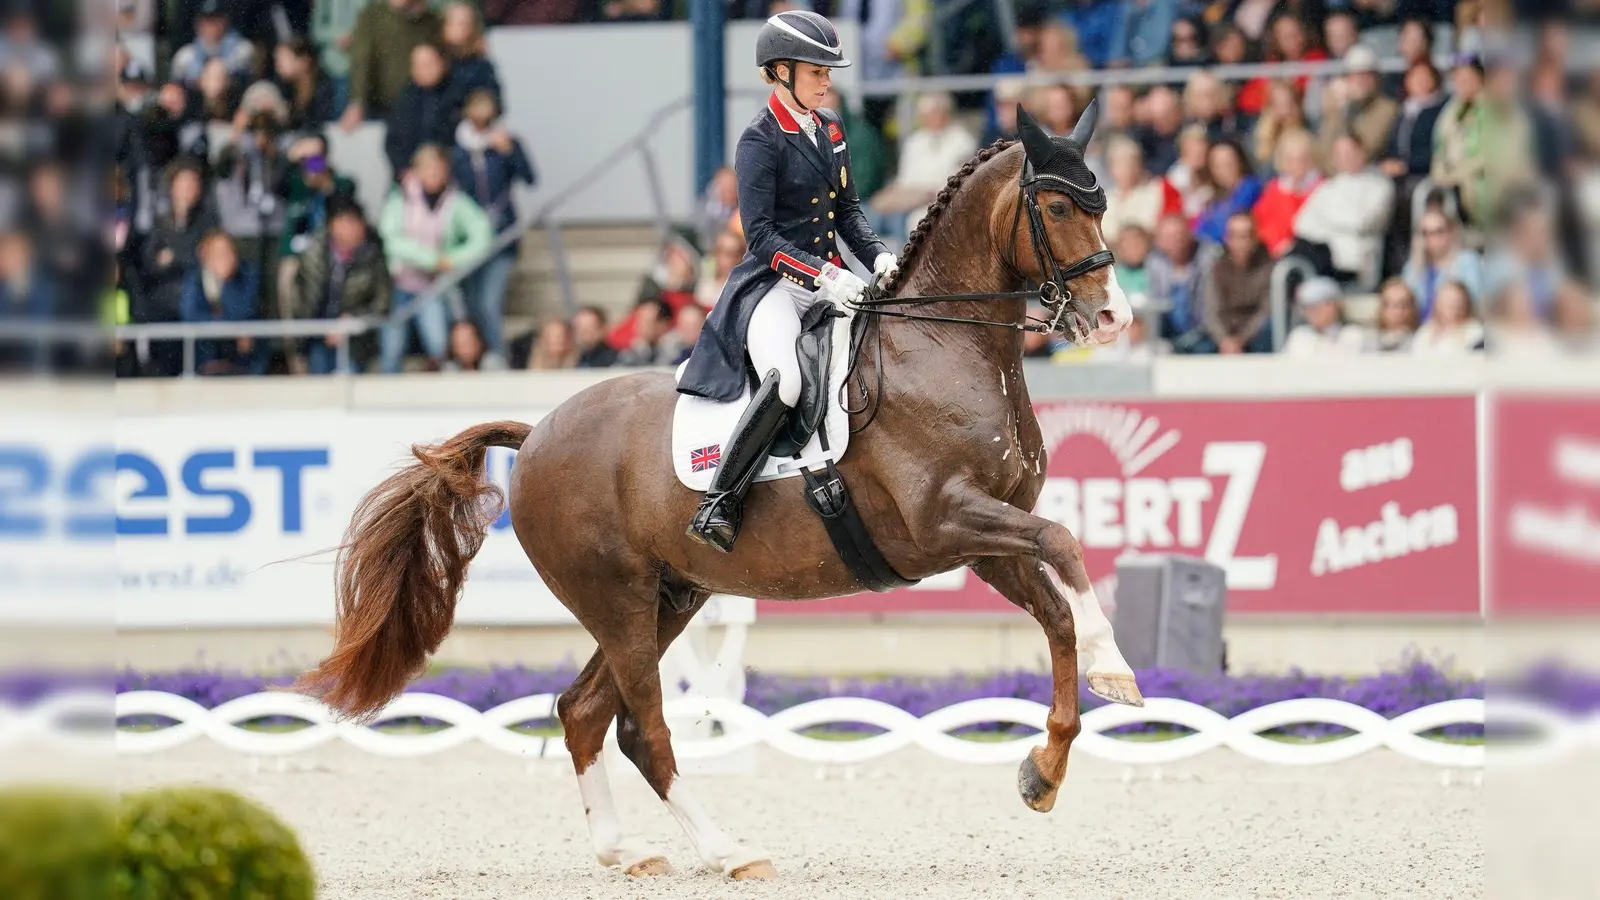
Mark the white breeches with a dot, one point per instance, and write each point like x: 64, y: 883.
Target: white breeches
x: 774, y: 327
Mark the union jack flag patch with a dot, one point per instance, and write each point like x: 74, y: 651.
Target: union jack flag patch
x: 705, y: 458
x: 834, y: 134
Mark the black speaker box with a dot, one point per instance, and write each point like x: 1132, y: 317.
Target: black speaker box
x: 1169, y: 613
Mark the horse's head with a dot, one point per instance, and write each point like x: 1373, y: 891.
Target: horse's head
x: 1054, y: 223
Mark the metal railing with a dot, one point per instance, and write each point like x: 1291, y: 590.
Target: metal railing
x: 1105, y: 77
x: 191, y: 332
x: 544, y: 217
x: 1282, y: 271
x: 638, y: 143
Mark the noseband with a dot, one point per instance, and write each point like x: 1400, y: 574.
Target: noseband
x: 1054, y: 293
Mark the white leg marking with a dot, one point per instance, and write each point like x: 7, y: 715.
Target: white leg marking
x: 719, y: 851
x: 1096, y: 643
x: 1095, y: 639
x: 605, y: 829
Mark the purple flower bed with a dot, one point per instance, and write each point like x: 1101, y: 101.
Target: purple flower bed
x: 1389, y: 694
x: 1413, y: 685
x: 1552, y: 683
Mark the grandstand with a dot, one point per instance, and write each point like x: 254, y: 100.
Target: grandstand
x: 1305, y: 178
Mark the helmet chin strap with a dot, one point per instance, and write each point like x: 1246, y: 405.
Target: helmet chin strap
x: 788, y: 84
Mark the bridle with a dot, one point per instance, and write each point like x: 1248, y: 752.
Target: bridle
x: 1053, y: 294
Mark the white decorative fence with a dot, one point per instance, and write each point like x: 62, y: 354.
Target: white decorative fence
x: 744, y: 728
x: 1545, y: 735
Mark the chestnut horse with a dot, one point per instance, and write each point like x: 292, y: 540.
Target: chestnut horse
x: 944, y: 477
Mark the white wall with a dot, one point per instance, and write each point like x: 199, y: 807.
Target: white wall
x: 1371, y: 375
x: 1255, y: 376
x: 574, y: 93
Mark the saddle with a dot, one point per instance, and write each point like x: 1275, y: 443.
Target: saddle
x: 699, y: 423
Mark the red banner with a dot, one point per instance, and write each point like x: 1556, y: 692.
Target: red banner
x: 1544, y: 504
x: 1312, y: 506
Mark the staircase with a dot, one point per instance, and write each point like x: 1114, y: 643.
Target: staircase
x: 606, y: 262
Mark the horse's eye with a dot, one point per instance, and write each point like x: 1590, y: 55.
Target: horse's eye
x: 1058, y: 208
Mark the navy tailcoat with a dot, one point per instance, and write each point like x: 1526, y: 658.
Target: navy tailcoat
x: 796, y: 198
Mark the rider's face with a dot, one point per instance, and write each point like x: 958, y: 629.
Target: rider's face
x: 811, y: 84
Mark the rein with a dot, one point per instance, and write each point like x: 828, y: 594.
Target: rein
x: 1053, y: 294
x: 1050, y: 294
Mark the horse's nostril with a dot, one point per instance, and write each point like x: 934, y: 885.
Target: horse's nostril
x: 1108, y: 319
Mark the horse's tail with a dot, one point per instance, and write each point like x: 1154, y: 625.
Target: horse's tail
x: 400, y: 569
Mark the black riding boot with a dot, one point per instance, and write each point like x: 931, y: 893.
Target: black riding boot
x: 717, y: 521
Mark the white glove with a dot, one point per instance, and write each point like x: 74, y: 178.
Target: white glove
x: 841, y: 285
x: 885, y: 266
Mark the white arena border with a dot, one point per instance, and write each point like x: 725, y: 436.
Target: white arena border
x: 1557, y: 735
x: 744, y: 727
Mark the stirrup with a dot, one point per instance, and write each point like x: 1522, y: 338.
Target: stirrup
x: 717, y: 520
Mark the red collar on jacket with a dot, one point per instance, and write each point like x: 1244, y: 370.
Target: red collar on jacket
x: 786, y: 120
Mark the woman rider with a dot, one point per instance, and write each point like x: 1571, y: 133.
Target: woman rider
x: 795, y: 197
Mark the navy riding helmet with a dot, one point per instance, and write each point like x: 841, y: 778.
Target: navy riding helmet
x: 798, y: 36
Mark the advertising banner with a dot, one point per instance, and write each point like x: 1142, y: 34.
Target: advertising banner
x: 1544, y: 504
x: 1311, y: 506
x: 234, y: 519
x: 56, y: 552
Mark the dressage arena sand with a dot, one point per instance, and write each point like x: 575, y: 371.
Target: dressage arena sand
x: 474, y: 824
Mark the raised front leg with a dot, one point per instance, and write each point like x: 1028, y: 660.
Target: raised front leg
x: 1107, y: 673
x: 1018, y: 580
x: 1001, y: 528
x: 1014, y: 543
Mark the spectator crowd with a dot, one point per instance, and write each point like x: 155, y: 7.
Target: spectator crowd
x: 230, y: 209
x: 1439, y: 204
x: 1430, y: 194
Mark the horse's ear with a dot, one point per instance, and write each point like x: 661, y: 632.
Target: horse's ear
x: 1035, y: 140
x: 1084, y: 130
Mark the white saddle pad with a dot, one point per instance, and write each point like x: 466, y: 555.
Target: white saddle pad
x: 700, y: 426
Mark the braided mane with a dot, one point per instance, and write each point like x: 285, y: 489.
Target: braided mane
x: 919, y: 235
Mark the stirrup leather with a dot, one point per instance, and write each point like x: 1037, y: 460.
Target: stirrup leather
x: 717, y: 520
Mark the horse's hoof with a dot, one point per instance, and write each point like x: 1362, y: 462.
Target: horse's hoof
x: 1116, y: 688
x: 760, y: 870
x: 1039, y: 794
x: 655, y: 865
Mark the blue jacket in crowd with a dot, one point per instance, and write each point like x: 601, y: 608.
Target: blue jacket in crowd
x: 1213, y: 221
x: 239, y: 303
x: 489, y: 177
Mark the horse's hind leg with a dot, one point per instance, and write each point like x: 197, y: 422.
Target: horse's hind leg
x: 643, y: 735
x: 586, y: 709
x: 634, y: 628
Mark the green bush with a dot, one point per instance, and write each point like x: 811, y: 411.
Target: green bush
x: 55, y: 843
x: 196, y: 843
